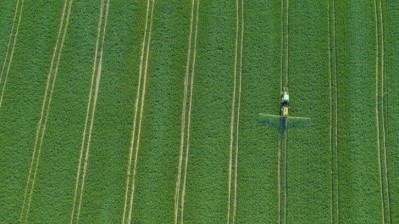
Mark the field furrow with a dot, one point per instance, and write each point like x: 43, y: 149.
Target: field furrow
x: 90, y: 113
x: 5, y: 70
x: 41, y: 126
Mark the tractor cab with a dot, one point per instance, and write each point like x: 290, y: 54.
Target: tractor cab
x: 284, y: 103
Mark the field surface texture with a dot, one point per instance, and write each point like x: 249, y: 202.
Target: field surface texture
x: 148, y: 111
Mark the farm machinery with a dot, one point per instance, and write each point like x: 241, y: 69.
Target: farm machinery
x: 281, y: 120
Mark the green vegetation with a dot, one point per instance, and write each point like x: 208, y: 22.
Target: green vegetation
x: 23, y: 96
x: 348, y: 181
x: 104, y: 191
x: 359, y: 183
x: 7, y: 10
x: 207, y: 177
x: 309, y: 177
x: 391, y: 58
x: 258, y: 144
x: 160, y: 138
x: 53, y: 193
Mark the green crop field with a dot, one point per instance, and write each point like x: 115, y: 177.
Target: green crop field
x: 148, y: 111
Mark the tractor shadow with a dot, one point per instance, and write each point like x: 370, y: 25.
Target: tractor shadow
x: 280, y: 123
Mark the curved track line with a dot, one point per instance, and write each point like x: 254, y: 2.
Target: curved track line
x: 97, y: 87
x: 232, y: 116
x: 383, y: 116
x: 127, y: 189
x: 183, y: 116
x: 13, y: 40
x: 141, y: 114
x: 41, y: 127
x: 238, y: 114
x: 377, y: 113
x: 235, y: 115
x: 87, y: 118
x: 189, y: 110
x: 87, y: 113
x: 384, y: 169
x: 10, y: 40
x: 97, y: 69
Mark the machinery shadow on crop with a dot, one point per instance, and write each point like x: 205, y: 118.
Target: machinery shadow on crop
x: 283, y: 123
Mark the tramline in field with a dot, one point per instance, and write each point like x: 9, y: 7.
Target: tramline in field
x: 282, y: 120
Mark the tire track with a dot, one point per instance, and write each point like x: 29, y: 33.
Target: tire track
x: 380, y: 119
x: 384, y: 126
x: 286, y: 39
x: 282, y: 44
x: 186, y: 122
x: 41, y: 127
x: 279, y: 179
x: 5, y: 70
x: 183, y: 116
x: 90, y: 113
x: 283, y: 140
x: 235, y: 112
x: 238, y: 112
x: 377, y: 112
x: 128, y: 175
x: 139, y: 102
x: 286, y: 176
x: 286, y: 132
x: 333, y: 114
